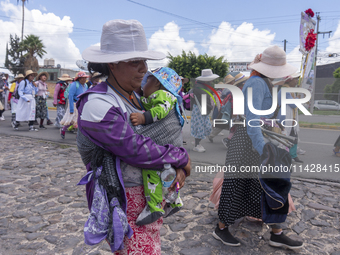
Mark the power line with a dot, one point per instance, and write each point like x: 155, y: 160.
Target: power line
x: 191, y: 20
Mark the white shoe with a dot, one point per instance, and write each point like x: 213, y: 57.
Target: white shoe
x: 301, y: 152
x: 2, y: 118
x: 199, y: 148
x: 221, y: 133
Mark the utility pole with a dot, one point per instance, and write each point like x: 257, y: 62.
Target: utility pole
x: 311, y: 107
x: 284, y: 44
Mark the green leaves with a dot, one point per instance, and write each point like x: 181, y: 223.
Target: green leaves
x: 189, y: 65
x: 33, y: 46
x: 334, y: 88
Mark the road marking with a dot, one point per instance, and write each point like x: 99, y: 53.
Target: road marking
x: 318, y: 143
x: 325, y: 129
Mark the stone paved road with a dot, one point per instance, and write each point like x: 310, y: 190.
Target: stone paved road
x: 42, y: 211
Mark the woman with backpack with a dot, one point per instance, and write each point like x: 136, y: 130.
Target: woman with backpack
x: 26, y: 104
x: 59, y: 99
x: 76, y: 88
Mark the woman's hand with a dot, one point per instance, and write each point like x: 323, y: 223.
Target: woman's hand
x: 137, y: 118
x: 180, y: 178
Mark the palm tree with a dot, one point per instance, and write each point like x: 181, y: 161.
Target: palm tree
x: 23, y: 17
x: 34, y: 48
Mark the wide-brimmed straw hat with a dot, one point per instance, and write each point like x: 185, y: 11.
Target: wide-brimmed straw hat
x: 81, y: 74
x: 272, y: 63
x: 28, y: 72
x: 229, y: 78
x: 42, y: 73
x: 65, y: 77
x: 240, y: 78
x: 20, y: 75
x: 121, y: 40
x: 207, y: 75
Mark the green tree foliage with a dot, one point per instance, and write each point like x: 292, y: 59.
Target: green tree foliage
x: 189, y: 65
x: 14, y: 60
x: 33, y: 47
x: 334, y: 88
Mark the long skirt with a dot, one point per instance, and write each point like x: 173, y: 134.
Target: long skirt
x: 14, y: 105
x: 241, y: 192
x: 61, y: 108
x: 200, y: 124
x: 41, y: 108
x: 26, y: 110
x: 70, y: 119
x: 145, y: 239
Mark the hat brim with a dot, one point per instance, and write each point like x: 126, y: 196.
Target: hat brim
x: 229, y: 80
x: 65, y: 79
x: 95, y: 55
x: 85, y: 76
x: 273, y: 71
x: 34, y: 73
x: 207, y: 78
x: 43, y: 73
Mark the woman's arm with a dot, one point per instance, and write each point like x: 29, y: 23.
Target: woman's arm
x: 21, y: 90
x: 71, y: 93
x: 56, y: 93
x: 105, y: 125
x: 255, y: 133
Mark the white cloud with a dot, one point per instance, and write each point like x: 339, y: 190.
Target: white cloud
x: 295, y: 57
x: 242, y: 43
x: 334, y: 41
x: 43, y: 8
x: 168, y: 40
x: 52, y: 30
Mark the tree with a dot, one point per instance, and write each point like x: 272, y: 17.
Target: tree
x: 23, y: 18
x: 334, y: 88
x: 189, y: 65
x: 14, y: 61
x: 34, y: 48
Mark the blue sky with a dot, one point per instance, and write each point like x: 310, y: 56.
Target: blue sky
x: 237, y: 30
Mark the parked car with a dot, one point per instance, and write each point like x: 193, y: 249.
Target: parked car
x: 326, y: 105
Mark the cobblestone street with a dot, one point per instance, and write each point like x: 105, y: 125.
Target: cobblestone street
x: 43, y: 211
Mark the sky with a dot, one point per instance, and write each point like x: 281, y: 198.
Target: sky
x: 232, y: 29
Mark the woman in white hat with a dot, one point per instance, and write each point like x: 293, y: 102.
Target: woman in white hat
x: 200, y: 124
x: 12, y: 92
x: 241, y: 192
x: 41, y: 109
x: 59, y: 99
x: 26, y: 104
x: 106, y: 141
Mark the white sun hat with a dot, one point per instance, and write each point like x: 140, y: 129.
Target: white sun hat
x: 121, y: 40
x: 207, y: 75
x: 272, y: 63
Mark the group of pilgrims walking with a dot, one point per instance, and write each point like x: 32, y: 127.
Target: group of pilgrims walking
x: 126, y: 136
x: 27, y: 97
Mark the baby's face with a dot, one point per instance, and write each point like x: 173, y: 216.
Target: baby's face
x: 151, y: 86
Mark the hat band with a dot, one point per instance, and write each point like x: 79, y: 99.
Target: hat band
x: 236, y: 80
